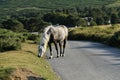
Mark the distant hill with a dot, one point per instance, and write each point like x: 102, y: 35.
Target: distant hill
x: 53, y: 3
x: 10, y: 6
x: 114, y: 4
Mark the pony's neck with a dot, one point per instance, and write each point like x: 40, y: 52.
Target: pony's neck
x: 45, y: 38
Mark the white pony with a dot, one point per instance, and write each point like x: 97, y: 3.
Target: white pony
x: 53, y: 34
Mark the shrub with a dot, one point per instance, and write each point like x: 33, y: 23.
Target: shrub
x: 93, y: 23
x: 9, y: 40
x: 14, y: 25
x: 33, y: 37
x: 101, y: 34
x: 115, y: 39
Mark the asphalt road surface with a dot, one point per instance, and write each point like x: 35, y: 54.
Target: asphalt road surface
x: 87, y: 61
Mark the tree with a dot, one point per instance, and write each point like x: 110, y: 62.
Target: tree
x: 55, y: 18
x: 93, y: 23
x: 13, y: 25
x: 1, y: 26
x: 71, y: 20
x: 99, y: 20
x: 115, y: 18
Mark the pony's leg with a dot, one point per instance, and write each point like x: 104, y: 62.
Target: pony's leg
x: 55, y: 43
x: 49, y: 44
x: 61, y: 47
x: 64, y: 45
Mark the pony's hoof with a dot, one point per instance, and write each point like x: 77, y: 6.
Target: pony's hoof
x: 57, y: 56
x: 63, y: 55
x: 50, y: 57
x: 60, y: 55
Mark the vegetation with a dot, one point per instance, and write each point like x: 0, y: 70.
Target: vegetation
x: 115, y: 39
x: 107, y: 35
x: 35, y: 22
x: 115, y: 4
x: 11, y: 6
x: 19, y: 18
x: 9, y: 40
x: 25, y: 59
x: 29, y: 15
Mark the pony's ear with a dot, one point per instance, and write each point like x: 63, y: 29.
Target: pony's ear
x: 48, y: 32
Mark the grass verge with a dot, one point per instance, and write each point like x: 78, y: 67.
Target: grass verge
x: 25, y: 59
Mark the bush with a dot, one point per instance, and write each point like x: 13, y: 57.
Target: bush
x: 93, y: 23
x: 9, y: 40
x: 115, y: 39
x: 99, y: 34
x: 13, y: 24
x: 33, y: 37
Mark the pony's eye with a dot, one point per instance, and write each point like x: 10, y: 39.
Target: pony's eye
x: 42, y: 44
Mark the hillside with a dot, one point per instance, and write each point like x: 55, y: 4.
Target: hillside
x: 52, y: 4
x: 115, y: 4
x: 11, y: 6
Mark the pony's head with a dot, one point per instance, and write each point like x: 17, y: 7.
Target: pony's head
x: 42, y: 49
x: 43, y: 44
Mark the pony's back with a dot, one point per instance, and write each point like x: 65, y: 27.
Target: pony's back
x: 59, y: 32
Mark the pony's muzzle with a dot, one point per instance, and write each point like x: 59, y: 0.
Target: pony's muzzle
x: 39, y: 55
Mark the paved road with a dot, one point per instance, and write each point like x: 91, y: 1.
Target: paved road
x: 87, y: 61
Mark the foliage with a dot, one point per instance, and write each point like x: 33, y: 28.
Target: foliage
x: 93, y: 23
x: 66, y: 19
x: 37, y: 15
x: 115, y: 4
x: 34, y: 37
x: 55, y: 18
x: 13, y: 25
x: 115, y: 39
x: 34, y: 24
x: 115, y: 18
x: 9, y: 40
x: 12, y: 6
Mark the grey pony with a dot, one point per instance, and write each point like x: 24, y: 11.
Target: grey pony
x: 54, y: 34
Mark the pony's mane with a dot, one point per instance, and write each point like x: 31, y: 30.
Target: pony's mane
x: 45, y: 37
x: 47, y: 29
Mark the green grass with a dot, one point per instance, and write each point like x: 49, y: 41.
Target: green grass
x: 25, y: 58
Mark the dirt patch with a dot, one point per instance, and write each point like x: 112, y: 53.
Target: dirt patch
x: 24, y: 74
